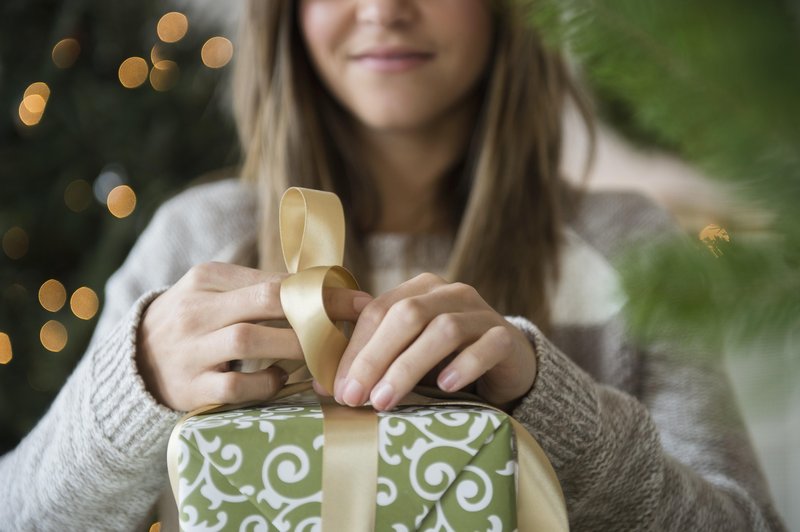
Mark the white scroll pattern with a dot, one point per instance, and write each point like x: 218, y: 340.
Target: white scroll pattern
x: 258, y: 470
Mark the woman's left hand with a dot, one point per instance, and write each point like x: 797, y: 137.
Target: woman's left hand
x: 407, y: 332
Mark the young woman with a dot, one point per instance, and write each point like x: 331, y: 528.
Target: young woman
x: 438, y: 124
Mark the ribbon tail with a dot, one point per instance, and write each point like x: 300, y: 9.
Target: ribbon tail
x: 349, y: 468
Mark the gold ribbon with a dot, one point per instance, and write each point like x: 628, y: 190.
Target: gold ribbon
x: 312, y: 239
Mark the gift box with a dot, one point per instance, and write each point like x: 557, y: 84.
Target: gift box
x: 438, y: 468
x: 295, y: 465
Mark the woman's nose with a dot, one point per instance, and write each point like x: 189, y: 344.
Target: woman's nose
x: 386, y: 12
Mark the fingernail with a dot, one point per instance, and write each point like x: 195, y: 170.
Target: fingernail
x: 382, y: 396
x: 353, y: 394
x: 359, y: 302
x: 448, y: 380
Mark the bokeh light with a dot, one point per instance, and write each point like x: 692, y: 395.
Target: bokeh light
x: 5, y: 349
x: 164, y: 75
x: 84, y: 303
x: 52, y: 295
x: 28, y: 118
x: 133, y: 72
x: 53, y: 336
x: 78, y: 195
x: 156, y: 54
x: 66, y: 52
x: 155, y: 527
x: 172, y: 27
x: 111, y: 176
x: 15, y: 243
x: 33, y: 103
x: 40, y: 88
x: 121, y: 201
x: 216, y: 52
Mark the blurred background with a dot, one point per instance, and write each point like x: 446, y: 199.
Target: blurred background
x: 110, y: 108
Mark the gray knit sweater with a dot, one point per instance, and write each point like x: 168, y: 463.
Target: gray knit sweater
x: 641, y: 439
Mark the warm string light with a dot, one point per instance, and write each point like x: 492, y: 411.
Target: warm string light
x: 5, y: 349
x: 84, y: 303
x: 172, y: 27
x: 133, y: 72
x: 66, y: 52
x: 164, y: 75
x: 121, y: 201
x: 156, y: 54
x: 53, y: 336
x: 33, y: 104
x: 15, y: 243
x: 216, y: 52
x: 52, y: 295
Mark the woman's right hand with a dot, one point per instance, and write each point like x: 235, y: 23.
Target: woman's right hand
x: 189, y: 335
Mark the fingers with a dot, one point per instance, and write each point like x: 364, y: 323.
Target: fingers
x: 235, y: 387
x: 343, y: 304
x: 474, y: 361
x: 413, y: 314
x: 247, y: 341
x: 262, y: 301
x: 446, y: 334
x: 223, y: 277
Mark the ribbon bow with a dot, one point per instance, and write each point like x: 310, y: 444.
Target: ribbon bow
x: 312, y: 241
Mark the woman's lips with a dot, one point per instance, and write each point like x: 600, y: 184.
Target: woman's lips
x: 392, y: 62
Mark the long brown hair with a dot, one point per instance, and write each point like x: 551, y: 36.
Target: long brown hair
x: 506, y: 197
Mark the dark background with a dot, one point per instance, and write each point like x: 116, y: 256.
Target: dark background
x: 156, y: 142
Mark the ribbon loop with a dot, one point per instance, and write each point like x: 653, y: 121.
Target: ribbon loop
x: 312, y: 240
x: 311, y: 228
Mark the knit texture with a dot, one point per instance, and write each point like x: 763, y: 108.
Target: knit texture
x: 641, y: 437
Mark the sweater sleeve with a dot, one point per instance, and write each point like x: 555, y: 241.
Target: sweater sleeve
x: 679, y: 459
x: 97, y: 459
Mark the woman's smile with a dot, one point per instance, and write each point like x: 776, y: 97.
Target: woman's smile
x: 399, y: 66
x: 392, y: 59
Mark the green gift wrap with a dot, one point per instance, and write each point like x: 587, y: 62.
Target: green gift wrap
x: 259, y: 469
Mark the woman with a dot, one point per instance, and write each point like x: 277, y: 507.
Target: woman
x: 438, y: 124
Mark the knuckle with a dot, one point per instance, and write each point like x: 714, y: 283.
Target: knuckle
x: 239, y: 337
x: 429, y: 279
x: 502, y: 337
x: 403, y: 371
x: 265, y: 293
x: 464, y: 290
x: 449, y: 327
x: 367, y: 367
x: 409, y: 311
x: 373, y: 314
x: 199, y: 274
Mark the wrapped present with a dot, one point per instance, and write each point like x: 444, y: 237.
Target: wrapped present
x: 305, y: 464
x: 438, y: 468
